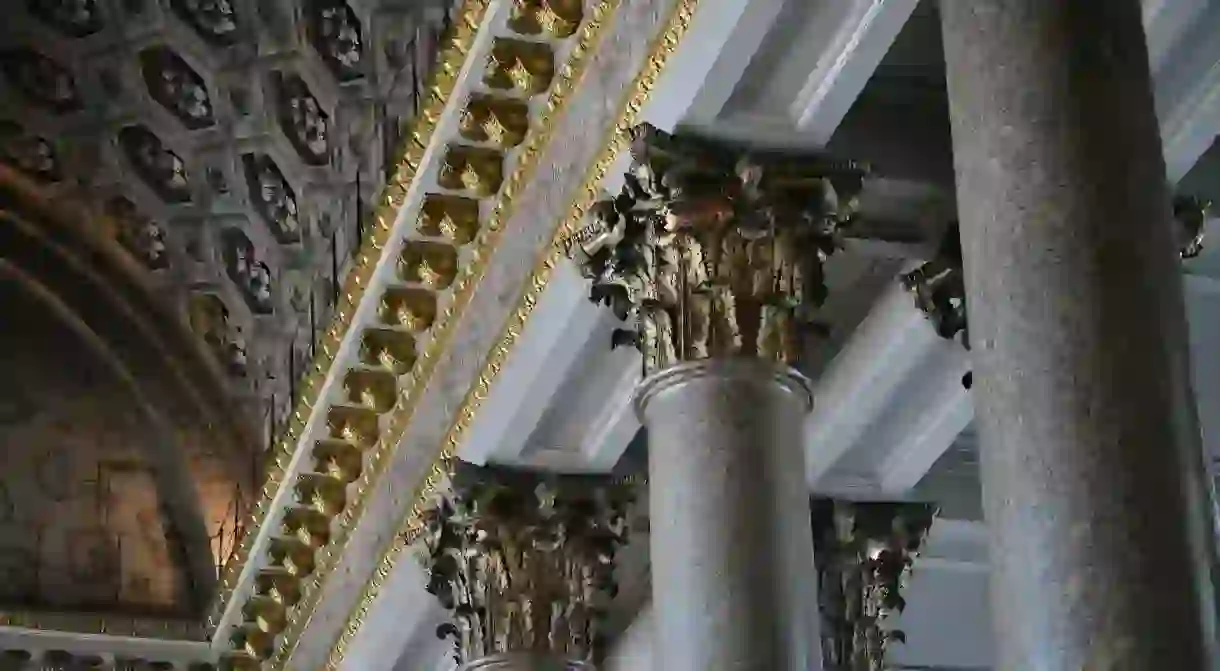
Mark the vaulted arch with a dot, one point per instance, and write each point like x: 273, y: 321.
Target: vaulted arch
x: 126, y: 468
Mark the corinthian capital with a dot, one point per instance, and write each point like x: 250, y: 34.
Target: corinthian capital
x: 864, y: 554
x: 712, y: 251
x: 524, y: 563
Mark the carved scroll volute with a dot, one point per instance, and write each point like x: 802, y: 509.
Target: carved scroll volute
x: 865, y: 552
x: 524, y: 562
x: 708, y: 252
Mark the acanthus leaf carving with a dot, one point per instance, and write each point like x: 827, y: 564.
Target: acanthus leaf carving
x: 864, y: 552
x: 938, y: 285
x: 524, y: 562
x: 708, y: 252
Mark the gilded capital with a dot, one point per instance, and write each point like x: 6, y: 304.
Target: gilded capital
x: 524, y: 563
x: 864, y: 554
x: 709, y: 251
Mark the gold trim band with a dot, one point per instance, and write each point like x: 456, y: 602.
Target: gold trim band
x: 512, y: 63
x: 645, y: 82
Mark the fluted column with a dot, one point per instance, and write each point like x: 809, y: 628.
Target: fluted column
x: 1090, y: 448
x: 525, y: 564
x: 713, y: 256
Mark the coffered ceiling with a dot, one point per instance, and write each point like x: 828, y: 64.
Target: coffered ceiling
x: 220, y: 154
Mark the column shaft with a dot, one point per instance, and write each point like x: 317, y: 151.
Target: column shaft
x: 1090, y: 451
x: 732, y: 555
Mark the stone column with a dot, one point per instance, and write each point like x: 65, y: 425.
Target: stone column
x: 731, y: 548
x: 714, y: 258
x: 1090, y: 454
x: 525, y: 562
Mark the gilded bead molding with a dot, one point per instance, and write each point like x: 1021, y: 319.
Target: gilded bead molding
x: 673, y: 28
x: 450, y: 197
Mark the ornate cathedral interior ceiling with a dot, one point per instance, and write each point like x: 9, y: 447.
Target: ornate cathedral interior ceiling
x: 274, y: 275
x: 222, y: 155
x: 899, y: 123
x: 127, y: 478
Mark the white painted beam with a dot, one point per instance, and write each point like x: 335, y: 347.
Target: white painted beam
x: 549, y: 349
x: 862, y: 381
x: 401, y: 622
x: 920, y: 436
x: 1165, y: 21
x: 1188, y: 89
x: 725, y: 35
x: 847, y: 63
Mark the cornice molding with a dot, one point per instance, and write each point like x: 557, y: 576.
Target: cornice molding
x: 503, y: 80
x: 672, y: 26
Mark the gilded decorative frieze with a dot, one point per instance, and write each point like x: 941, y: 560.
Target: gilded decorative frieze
x: 389, y: 349
x: 410, y: 308
x: 524, y: 562
x: 523, y: 67
x: 432, y: 264
x: 438, y: 264
x: 339, y: 458
x: 939, y: 290
x: 864, y: 552
x: 474, y: 169
x: 374, y: 390
x: 497, y: 121
x: 674, y: 26
x: 709, y: 252
x: 557, y: 18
